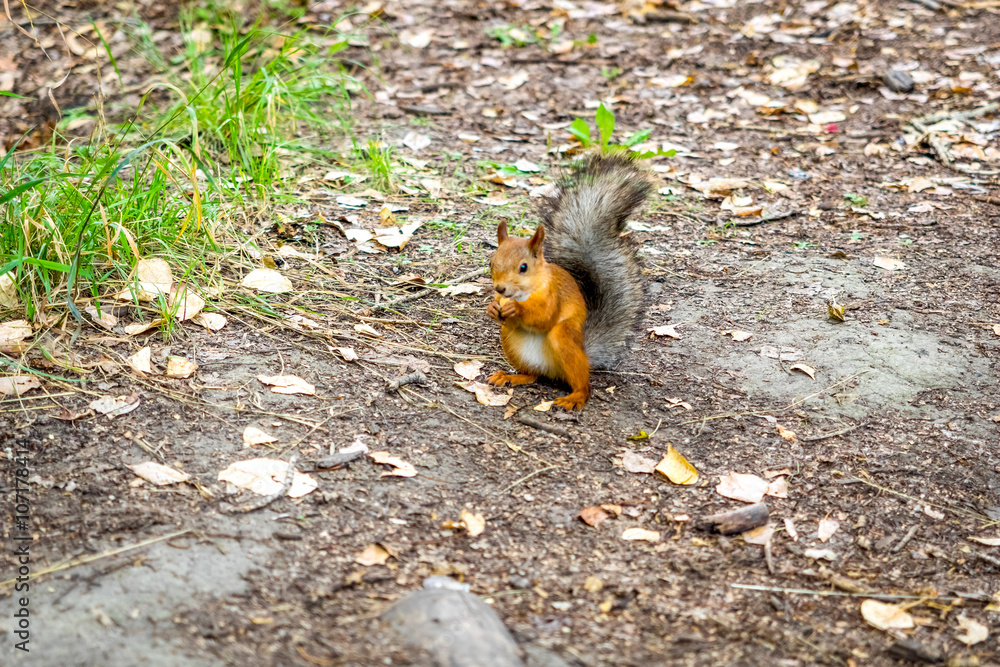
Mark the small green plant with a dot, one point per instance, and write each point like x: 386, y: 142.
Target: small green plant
x: 605, y: 121
x: 855, y: 235
x: 855, y: 199
x: 378, y: 159
x: 509, y: 36
x: 802, y: 245
x: 610, y: 73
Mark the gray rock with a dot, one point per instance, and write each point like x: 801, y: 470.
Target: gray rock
x: 897, y: 81
x: 456, y: 628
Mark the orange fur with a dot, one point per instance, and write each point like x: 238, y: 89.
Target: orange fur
x: 542, y: 312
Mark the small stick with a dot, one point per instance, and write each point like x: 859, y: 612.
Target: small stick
x: 542, y: 426
x: 416, y: 377
x: 833, y: 434
x: 424, y: 292
x: 806, y: 591
x: 524, y: 479
x: 906, y: 540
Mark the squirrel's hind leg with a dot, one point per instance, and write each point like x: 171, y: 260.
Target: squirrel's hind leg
x: 567, y: 342
x: 500, y: 378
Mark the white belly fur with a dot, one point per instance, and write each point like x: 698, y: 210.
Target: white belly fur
x: 531, y: 350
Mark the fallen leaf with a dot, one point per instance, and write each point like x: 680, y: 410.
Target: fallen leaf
x: 635, y: 463
x: 975, y: 632
x: 188, y: 304
x: 367, y: 329
x: 154, y: 279
x: 640, y: 534
x: 783, y: 353
x: 418, y: 39
x: 267, y: 280
x: 820, y: 554
x: 416, y: 141
x: 159, y: 474
x: 140, y: 361
x: 462, y: 288
x: 593, y: 516
x: 287, y: 384
x: 253, y: 436
x: 835, y: 311
x: 485, y: 394
x: 544, y: 406
x: 115, y: 406
x: 676, y: 468
x: 469, y: 369
x: 885, y: 616
x: 790, y: 529
x: 742, y: 486
x: 827, y: 117
x: 137, y: 328
x: 16, y: 385
x: 211, y: 321
x: 786, y: 434
x: 888, y: 264
x: 396, y: 237
x: 778, y: 488
x: 374, y: 554
x: 348, y: 353
x: 179, y: 367
x: 8, y: 292
x: 827, y: 527
x: 666, y: 330
x: 808, y: 370
x: 996, y: 329
x: 265, y: 477
x: 102, y: 317
x: 738, y: 336
x: 400, y: 468
x: 14, y: 332
x: 760, y: 535
x: 474, y: 523
x: 515, y: 80
x: 988, y: 541
x: 592, y: 584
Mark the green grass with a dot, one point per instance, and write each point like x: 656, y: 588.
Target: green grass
x: 229, y: 121
x: 377, y: 158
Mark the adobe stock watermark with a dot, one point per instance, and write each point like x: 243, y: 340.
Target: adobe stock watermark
x: 20, y: 497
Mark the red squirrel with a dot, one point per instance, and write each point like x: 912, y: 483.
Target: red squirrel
x: 568, y: 297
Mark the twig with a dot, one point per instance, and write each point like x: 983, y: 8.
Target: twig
x: 833, y: 434
x: 971, y: 515
x: 766, y: 218
x: 906, y: 540
x: 83, y: 560
x: 881, y: 596
x: 266, y: 500
x: 524, y: 479
x: 424, y: 292
x: 542, y: 426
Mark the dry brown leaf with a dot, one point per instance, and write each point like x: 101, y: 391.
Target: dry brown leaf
x: 16, y: 385
x: 211, y: 321
x: 778, y: 487
x: 474, y: 523
x: 635, y: 463
x: 808, y: 370
x: 988, y: 541
x: 485, y: 394
x: 253, y: 436
x: 544, y: 406
x: 114, y: 406
x: 374, y: 554
x: 400, y: 468
x: 396, y: 237
x: 348, y: 353
x: 461, y: 288
x: 640, y: 534
x: 287, y: 384
x: 666, y: 330
x: 790, y: 529
x: 676, y: 468
x: 267, y: 280
x: 889, y: 264
x: 975, y: 632
x: 741, y: 486
x: 760, y: 535
x: 593, y: 516
x: 140, y: 361
x: 179, y: 367
x: 738, y: 336
x: 137, y: 328
x: 8, y: 292
x: 154, y: 279
x: 265, y: 477
x: 102, y: 317
x: 188, y: 304
x: 827, y: 527
x: 469, y: 369
x: 159, y: 474
x: 367, y: 329
x: 886, y: 616
x: 786, y: 433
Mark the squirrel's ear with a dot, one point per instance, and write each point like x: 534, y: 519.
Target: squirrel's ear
x: 502, y: 232
x: 535, y: 243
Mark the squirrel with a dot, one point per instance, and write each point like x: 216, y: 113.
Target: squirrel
x: 568, y: 297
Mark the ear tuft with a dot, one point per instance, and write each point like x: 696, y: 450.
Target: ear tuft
x: 535, y: 243
x: 502, y: 232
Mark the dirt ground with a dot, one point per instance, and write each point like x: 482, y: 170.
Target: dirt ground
x: 896, y: 438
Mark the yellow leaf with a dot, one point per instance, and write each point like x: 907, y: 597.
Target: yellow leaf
x: 885, y: 616
x: 835, y: 311
x: 641, y: 534
x: 474, y: 523
x: 677, y: 469
x: 374, y: 554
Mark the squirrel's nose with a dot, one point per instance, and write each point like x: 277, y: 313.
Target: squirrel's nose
x: 501, y: 289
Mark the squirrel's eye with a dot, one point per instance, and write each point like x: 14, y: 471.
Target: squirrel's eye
x: 524, y: 267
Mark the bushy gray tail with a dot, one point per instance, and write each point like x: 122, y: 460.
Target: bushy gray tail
x: 583, y: 225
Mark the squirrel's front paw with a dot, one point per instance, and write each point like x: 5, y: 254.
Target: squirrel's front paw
x: 508, y: 309
x: 493, y: 310
x: 574, y: 401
